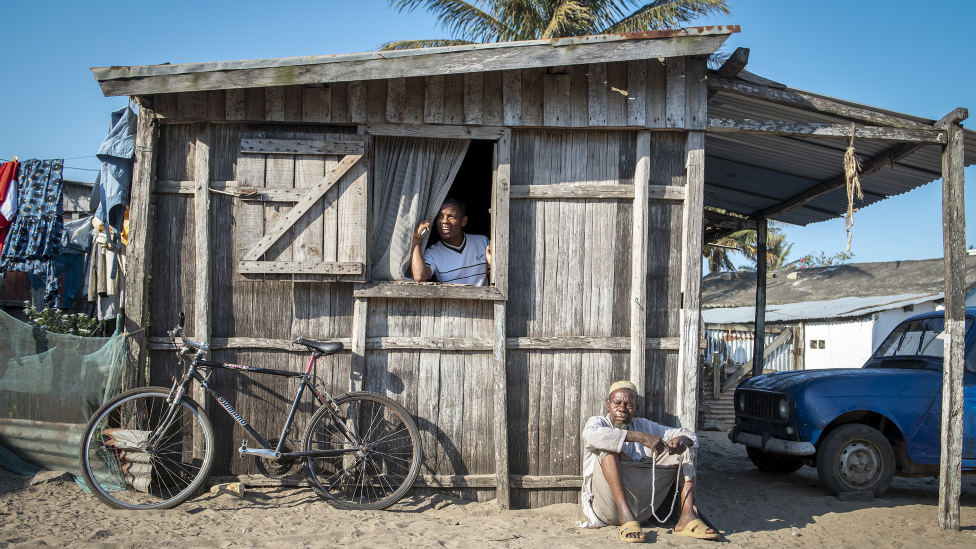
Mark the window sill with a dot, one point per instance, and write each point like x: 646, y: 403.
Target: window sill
x: 429, y: 290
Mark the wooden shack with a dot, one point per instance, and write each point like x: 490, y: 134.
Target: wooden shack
x: 251, y: 212
x: 254, y: 209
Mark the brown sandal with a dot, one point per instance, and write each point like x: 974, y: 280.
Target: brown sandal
x: 698, y: 530
x: 632, y: 527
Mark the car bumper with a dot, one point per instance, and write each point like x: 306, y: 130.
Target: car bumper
x: 775, y: 445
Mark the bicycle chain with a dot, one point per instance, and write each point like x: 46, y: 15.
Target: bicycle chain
x: 275, y: 468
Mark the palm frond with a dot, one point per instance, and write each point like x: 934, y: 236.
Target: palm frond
x: 607, y: 12
x: 461, y: 19
x: 668, y: 14
x: 569, y: 18
x: 414, y: 44
x: 781, y: 258
x: 717, y: 59
x: 524, y: 19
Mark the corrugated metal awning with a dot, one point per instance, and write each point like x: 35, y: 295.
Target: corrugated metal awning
x: 747, y: 173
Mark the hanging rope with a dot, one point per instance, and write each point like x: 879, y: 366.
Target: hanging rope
x: 852, y: 165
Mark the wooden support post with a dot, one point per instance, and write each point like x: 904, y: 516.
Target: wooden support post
x: 954, y: 243
x: 692, y: 221
x: 139, y: 251
x: 638, y: 277
x: 501, y: 191
x: 800, y: 345
x: 759, y: 345
x: 499, y: 270
x: 716, y: 375
x: 201, y: 220
x: 500, y: 418
x: 357, y: 366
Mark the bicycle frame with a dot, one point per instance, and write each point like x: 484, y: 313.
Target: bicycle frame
x: 307, y: 376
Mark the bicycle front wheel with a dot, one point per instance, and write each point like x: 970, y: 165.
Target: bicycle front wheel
x: 381, y: 452
x: 140, y: 451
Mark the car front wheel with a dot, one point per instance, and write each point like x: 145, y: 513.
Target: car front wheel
x: 856, y: 457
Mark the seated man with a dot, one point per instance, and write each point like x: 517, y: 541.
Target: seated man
x: 458, y: 258
x: 618, y: 487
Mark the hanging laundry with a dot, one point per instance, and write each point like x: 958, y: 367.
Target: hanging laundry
x: 106, y: 275
x: 8, y: 198
x: 112, y: 185
x: 76, y: 241
x: 35, y: 235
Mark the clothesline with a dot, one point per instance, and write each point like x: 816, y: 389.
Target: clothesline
x: 69, y: 167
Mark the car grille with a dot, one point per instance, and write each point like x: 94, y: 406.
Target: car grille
x: 762, y: 405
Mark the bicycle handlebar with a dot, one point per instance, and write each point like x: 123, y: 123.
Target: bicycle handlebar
x: 177, y: 332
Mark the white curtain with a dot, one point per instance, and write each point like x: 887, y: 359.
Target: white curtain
x: 411, y: 179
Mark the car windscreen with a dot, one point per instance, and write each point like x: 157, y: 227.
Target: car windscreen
x: 916, y: 338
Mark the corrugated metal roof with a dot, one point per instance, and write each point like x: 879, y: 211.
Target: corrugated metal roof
x: 845, y: 307
x: 860, y: 280
x: 748, y: 173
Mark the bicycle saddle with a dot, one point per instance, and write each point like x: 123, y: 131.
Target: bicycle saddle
x: 327, y: 348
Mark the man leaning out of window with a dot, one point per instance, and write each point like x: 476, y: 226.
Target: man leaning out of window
x: 458, y: 258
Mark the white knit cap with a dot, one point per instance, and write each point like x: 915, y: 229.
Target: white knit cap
x: 623, y: 385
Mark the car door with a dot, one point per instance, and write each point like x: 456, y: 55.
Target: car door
x: 969, y: 411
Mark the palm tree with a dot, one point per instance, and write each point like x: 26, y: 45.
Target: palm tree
x: 484, y: 21
x: 777, y: 249
x: 719, y: 253
x: 744, y: 242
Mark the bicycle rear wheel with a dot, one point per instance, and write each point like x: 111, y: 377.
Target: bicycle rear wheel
x: 141, y: 452
x: 384, y: 456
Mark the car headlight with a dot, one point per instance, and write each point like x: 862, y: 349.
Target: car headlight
x: 784, y: 411
x: 742, y: 402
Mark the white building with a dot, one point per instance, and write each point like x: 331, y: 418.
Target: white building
x: 843, y: 313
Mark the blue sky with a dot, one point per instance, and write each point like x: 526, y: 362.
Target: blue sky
x: 905, y: 56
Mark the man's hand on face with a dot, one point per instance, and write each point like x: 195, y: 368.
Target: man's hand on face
x: 421, y: 227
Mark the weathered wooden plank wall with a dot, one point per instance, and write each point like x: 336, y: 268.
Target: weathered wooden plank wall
x: 448, y: 392
x: 244, y: 308
x: 568, y: 314
x: 664, y: 261
x: 570, y: 276
x: 647, y: 93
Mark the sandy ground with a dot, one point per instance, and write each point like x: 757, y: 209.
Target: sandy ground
x: 752, y: 509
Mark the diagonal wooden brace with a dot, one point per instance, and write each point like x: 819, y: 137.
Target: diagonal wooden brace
x: 303, y: 205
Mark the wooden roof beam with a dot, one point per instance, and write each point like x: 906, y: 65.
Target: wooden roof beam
x: 957, y: 116
x: 735, y: 63
x: 812, y: 103
x: 801, y: 129
x: 726, y: 221
x: 873, y: 165
x: 377, y: 66
x: 732, y: 66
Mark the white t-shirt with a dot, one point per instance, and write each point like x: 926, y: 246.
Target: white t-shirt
x: 467, y: 264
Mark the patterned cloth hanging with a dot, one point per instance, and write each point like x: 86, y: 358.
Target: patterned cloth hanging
x: 35, y: 236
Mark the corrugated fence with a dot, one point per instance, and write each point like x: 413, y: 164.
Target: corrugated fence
x: 738, y: 345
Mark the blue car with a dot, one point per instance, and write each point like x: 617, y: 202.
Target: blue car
x: 860, y: 426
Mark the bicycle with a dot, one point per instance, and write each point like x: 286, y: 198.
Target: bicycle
x: 152, y: 447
